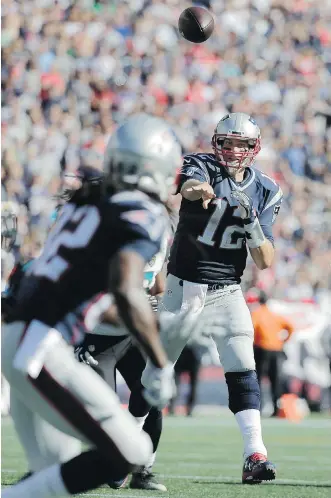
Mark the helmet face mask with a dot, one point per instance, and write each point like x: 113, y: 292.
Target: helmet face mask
x: 235, y: 152
x: 236, y: 141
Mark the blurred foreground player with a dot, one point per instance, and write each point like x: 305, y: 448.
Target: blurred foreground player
x: 226, y: 206
x: 97, y: 245
x: 110, y: 349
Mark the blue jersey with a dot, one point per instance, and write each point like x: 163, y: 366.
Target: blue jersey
x: 72, y: 274
x: 210, y: 245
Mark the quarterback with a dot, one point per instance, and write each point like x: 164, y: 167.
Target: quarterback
x: 227, y: 207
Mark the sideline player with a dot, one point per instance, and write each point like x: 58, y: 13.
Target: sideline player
x: 97, y: 245
x: 227, y: 206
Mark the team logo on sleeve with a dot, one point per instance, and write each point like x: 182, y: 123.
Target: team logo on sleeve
x: 139, y: 217
x: 189, y: 171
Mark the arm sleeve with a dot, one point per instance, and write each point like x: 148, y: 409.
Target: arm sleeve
x: 193, y: 169
x: 145, y: 228
x: 145, y: 248
x: 269, y: 213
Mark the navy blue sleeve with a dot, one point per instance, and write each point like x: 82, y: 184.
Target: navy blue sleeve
x: 144, y: 225
x: 145, y: 248
x: 193, y: 169
x: 270, y: 211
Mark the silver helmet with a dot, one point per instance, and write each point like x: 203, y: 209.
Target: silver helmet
x: 9, y: 212
x: 145, y: 154
x: 236, y: 126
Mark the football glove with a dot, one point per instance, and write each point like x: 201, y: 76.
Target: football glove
x: 246, y: 210
x: 83, y: 356
x: 159, y: 384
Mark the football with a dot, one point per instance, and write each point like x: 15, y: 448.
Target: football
x: 196, y: 24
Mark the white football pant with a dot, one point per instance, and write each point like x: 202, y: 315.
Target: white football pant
x: 67, y: 394
x: 222, y: 313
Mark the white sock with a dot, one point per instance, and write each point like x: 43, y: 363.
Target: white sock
x: 150, y: 462
x: 249, y: 422
x: 140, y: 421
x: 46, y: 483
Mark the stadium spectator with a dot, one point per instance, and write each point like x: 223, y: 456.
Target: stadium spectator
x: 71, y: 70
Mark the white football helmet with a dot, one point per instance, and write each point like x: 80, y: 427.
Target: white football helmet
x: 241, y: 127
x: 143, y: 154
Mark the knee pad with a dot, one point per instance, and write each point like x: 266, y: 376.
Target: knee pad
x: 244, y: 391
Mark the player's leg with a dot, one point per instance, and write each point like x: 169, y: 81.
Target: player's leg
x: 234, y: 335
x: 193, y: 371
x: 171, y: 303
x: 43, y: 444
x: 107, y: 350
x: 274, y: 377
x: 131, y: 366
x: 73, y: 398
x: 177, y: 376
x: 117, y: 352
x: 260, y: 356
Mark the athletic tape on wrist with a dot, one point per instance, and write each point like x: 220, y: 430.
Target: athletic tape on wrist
x: 254, y: 235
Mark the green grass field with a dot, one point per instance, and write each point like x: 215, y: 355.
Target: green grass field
x: 200, y: 457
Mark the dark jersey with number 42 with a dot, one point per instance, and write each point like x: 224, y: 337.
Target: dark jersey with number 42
x: 210, y: 245
x: 70, y: 277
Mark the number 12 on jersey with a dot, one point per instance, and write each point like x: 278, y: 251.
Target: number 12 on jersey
x: 233, y: 236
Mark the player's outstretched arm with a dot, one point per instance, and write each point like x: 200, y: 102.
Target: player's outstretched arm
x: 125, y: 282
x: 193, y: 190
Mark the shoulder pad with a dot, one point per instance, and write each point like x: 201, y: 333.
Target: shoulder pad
x: 204, y: 162
x: 266, y: 181
x: 198, y: 159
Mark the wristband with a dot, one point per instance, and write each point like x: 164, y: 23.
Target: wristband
x: 254, y: 234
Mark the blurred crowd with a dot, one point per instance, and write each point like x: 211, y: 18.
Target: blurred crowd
x: 72, y: 70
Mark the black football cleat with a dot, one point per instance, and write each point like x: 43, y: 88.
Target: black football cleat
x: 257, y: 469
x: 147, y: 481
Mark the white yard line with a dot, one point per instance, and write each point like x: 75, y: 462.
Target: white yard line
x: 233, y: 466
x: 221, y: 478
x: 216, y: 479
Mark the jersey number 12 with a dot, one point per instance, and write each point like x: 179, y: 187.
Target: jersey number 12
x: 233, y: 236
